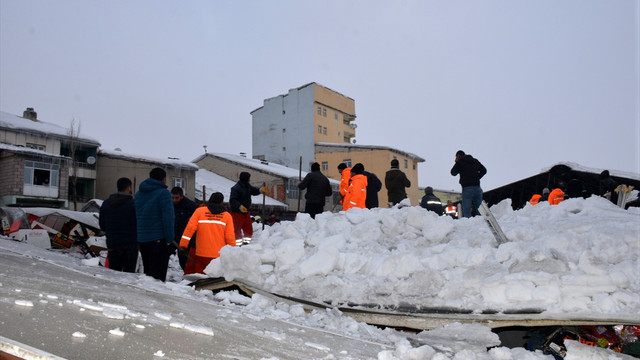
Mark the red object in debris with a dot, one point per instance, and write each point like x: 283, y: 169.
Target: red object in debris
x: 15, y: 226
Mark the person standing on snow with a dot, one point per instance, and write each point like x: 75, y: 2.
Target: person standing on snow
x: 396, y: 181
x: 357, y: 195
x: 431, y: 202
x: 118, y: 221
x: 318, y: 188
x: 240, y: 203
x: 183, y: 208
x: 156, y: 219
x: 214, y: 226
x: 471, y: 171
x: 345, y: 176
x: 373, y: 186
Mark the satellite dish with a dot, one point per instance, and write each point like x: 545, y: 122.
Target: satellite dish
x: 353, y: 126
x: 91, y: 160
x: 353, y: 141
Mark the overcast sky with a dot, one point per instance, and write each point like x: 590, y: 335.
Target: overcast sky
x: 521, y: 85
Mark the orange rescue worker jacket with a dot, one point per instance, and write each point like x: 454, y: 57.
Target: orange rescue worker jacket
x: 535, y: 199
x: 556, y: 196
x: 451, y: 210
x: 357, y: 195
x: 344, y: 181
x: 214, y: 232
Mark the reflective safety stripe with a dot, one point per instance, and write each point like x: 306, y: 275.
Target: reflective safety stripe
x: 434, y: 202
x: 353, y: 203
x: 363, y: 190
x: 186, y: 237
x: 212, y: 222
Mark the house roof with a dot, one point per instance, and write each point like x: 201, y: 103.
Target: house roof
x: 216, y: 183
x: 38, y: 127
x: 30, y: 151
x: 177, y: 163
x: 372, y: 147
x: 554, y: 176
x: 260, y: 165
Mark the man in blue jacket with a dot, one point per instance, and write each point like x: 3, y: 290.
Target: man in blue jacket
x: 156, y: 220
x: 118, y: 221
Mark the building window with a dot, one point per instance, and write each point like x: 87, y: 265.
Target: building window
x: 178, y: 182
x: 319, y: 110
x: 347, y: 162
x: 292, y: 188
x: 39, y: 173
x: 325, y: 166
x: 324, y: 112
x: 406, y: 163
x: 335, y: 116
x: 345, y: 121
x: 319, y: 129
x: 347, y: 139
x: 36, y: 146
x: 324, y: 130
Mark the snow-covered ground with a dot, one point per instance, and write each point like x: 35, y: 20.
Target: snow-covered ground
x: 576, y: 258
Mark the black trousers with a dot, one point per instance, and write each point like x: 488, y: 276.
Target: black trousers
x: 123, y: 257
x: 155, y: 258
x: 313, y: 209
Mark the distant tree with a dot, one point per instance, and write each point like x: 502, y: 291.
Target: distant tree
x: 74, y: 134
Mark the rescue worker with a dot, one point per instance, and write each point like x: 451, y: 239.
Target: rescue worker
x: 451, y: 209
x: 345, y: 176
x: 556, y: 196
x: 535, y: 198
x: 430, y: 201
x: 357, y: 194
x: 215, y: 229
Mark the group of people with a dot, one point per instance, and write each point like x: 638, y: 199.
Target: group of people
x: 157, y: 222
x: 575, y: 188
x: 358, y: 187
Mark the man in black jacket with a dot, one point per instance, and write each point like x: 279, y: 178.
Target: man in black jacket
x: 318, y: 188
x: 118, y: 221
x: 184, y: 208
x: 373, y: 186
x: 240, y: 203
x: 471, y: 171
x: 396, y: 181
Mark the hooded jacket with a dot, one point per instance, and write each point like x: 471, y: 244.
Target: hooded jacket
x: 470, y: 170
x: 215, y: 230
x: 154, y: 212
x: 118, y: 219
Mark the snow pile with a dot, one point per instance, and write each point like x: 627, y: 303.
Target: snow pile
x: 579, y: 257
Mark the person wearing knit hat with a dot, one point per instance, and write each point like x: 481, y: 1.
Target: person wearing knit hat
x: 240, y: 203
x: 396, y: 181
x: 357, y: 194
x: 431, y: 202
x: 318, y: 188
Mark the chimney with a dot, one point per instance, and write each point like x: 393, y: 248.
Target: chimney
x: 30, y: 114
